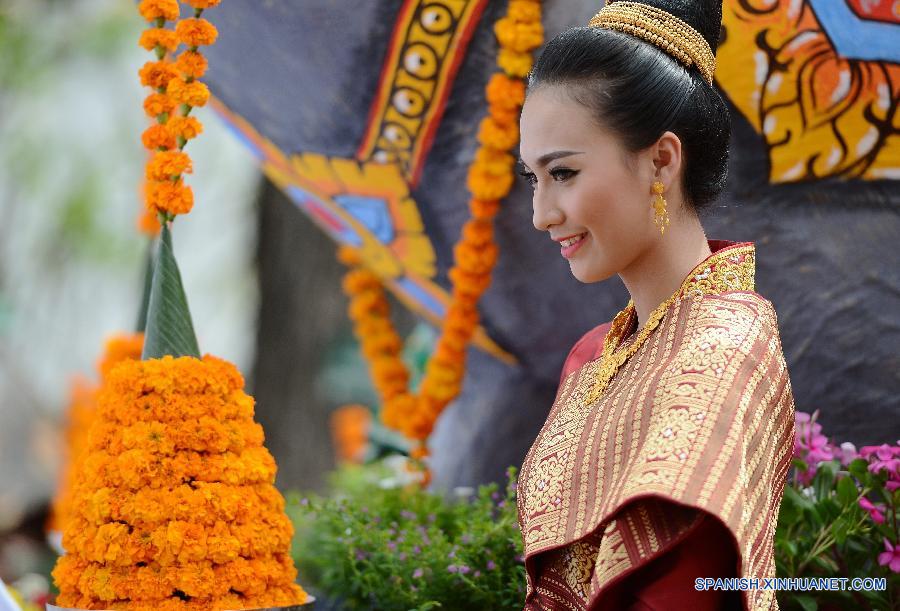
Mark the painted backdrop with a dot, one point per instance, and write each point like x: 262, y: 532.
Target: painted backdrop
x: 365, y: 115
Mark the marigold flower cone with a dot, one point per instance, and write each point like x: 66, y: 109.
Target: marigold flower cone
x: 80, y: 416
x: 175, y: 506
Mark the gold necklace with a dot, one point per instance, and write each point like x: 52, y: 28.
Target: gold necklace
x: 612, y: 358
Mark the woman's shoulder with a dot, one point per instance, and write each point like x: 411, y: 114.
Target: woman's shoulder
x: 739, y: 306
x: 734, y: 325
x: 585, y: 349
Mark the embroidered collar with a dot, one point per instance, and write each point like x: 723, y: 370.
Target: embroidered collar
x: 730, y: 267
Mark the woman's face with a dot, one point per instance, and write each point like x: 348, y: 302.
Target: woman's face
x: 586, y: 188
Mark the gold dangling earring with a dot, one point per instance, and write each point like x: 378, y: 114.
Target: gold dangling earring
x: 659, y: 207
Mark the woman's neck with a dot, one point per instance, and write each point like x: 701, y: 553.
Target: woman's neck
x: 659, y: 271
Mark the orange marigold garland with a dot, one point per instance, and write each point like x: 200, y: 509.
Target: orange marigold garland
x: 176, y: 92
x: 175, y: 506
x: 490, y: 179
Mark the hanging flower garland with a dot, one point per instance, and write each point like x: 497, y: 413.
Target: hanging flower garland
x: 490, y: 179
x: 176, y: 92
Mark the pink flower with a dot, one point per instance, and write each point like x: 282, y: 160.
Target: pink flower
x: 809, y: 442
x: 811, y: 446
x: 882, y: 457
x: 890, y: 557
x: 876, y: 510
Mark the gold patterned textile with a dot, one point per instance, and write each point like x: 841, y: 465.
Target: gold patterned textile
x: 698, y: 421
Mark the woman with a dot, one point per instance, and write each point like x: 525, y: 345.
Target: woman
x: 664, y: 457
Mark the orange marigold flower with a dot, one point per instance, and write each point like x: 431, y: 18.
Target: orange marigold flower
x: 166, y: 165
x: 157, y: 74
x: 193, y: 94
x: 390, y: 368
x: 192, y: 64
x: 157, y: 104
x: 467, y: 282
x: 524, y: 10
x: 196, y: 31
x: 120, y: 347
x: 148, y: 222
x: 79, y: 418
x: 494, y: 162
x: 478, y: 232
x: 504, y: 115
x: 173, y: 198
x: 398, y: 410
x: 158, y: 37
x: 350, y: 431
x: 506, y: 92
x: 349, y: 255
x: 203, y: 4
x: 186, y: 127
x: 358, y: 280
x: 515, y: 63
x: 519, y: 36
x: 485, y: 185
x: 484, y: 209
x: 158, y: 136
x: 151, y: 10
x: 493, y: 134
x: 475, y: 259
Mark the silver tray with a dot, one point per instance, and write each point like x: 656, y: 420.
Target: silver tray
x: 304, y: 607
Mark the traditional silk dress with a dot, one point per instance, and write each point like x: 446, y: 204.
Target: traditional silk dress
x: 665, y: 454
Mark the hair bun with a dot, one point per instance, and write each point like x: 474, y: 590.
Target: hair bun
x: 705, y: 16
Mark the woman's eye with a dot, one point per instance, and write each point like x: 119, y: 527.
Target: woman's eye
x: 529, y: 176
x: 562, y: 174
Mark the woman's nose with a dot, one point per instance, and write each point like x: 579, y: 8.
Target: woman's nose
x: 545, y: 213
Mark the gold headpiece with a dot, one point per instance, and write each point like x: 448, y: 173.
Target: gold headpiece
x: 661, y: 29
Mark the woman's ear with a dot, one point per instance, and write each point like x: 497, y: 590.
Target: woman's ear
x: 667, y: 159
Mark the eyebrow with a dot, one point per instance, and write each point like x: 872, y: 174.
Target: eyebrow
x: 545, y: 159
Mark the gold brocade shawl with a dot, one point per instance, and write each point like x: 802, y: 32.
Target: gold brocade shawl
x: 701, y: 417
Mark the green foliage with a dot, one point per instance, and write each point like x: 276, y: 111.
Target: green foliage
x: 823, y: 532
x: 170, y: 330
x: 373, y: 547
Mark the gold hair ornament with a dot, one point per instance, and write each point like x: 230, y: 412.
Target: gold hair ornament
x: 662, y: 29
x: 660, y: 214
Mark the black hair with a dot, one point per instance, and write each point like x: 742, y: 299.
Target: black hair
x: 639, y: 91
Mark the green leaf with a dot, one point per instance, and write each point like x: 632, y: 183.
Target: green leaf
x: 824, y: 479
x: 808, y: 603
x: 148, y: 285
x: 829, y: 509
x: 789, y: 513
x: 847, y: 492
x: 840, y: 529
x: 169, y: 327
x: 859, y: 468
x: 798, y: 499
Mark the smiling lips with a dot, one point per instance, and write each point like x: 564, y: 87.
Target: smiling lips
x: 571, y: 244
